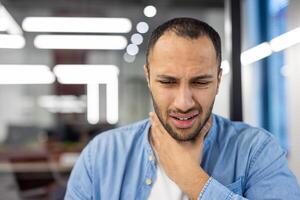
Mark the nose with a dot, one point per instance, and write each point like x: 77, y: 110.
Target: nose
x: 184, y: 99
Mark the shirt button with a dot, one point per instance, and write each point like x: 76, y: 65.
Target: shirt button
x: 151, y: 157
x: 148, y: 181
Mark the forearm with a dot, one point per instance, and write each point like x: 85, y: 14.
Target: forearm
x: 198, y: 185
x: 194, y: 182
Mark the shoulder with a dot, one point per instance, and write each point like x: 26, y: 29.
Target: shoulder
x: 248, y: 145
x: 120, y: 138
x: 111, y: 147
x: 127, y: 131
x: 242, y: 135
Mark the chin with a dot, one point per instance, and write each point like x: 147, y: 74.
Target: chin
x: 184, y: 135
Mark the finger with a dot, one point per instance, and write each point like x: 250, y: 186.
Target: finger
x: 160, y: 131
x: 206, y: 128
x: 154, y: 140
x: 155, y: 132
x: 158, y: 124
x: 155, y: 123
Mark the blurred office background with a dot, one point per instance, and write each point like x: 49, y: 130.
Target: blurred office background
x: 71, y: 69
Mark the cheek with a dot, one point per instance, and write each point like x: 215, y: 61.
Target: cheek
x: 163, y: 99
x: 205, y: 98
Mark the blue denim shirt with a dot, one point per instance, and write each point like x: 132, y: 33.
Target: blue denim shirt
x: 243, y: 162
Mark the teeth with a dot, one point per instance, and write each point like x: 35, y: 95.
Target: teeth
x: 184, y: 118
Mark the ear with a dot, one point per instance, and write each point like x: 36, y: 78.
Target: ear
x: 219, y: 78
x: 147, y: 75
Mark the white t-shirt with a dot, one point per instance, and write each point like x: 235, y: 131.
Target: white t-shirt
x: 165, y: 189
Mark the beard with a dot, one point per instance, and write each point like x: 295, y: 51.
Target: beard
x: 175, y: 134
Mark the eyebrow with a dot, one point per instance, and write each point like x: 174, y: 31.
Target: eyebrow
x: 165, y: 77
x: 201, y: 77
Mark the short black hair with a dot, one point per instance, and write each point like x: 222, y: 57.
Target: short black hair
x: 188, y: 28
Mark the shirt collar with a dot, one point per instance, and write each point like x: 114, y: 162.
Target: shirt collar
x: 146, y: 142
x: 212, y: 132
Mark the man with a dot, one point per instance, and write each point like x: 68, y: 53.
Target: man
x: 184, y: 151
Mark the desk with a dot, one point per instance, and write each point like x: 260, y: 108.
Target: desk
x: 36, y: 172
x: 33, y: 167
x: 37, y: 169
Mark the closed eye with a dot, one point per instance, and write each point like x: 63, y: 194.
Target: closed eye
x: 201, y: 83
x: 167, y: 82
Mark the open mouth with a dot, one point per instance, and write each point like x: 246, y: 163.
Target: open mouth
x: 184, y: 118
x: 183, y: 121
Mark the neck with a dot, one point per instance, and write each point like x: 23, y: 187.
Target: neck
x: 197, y: 144
x: 194, y: 147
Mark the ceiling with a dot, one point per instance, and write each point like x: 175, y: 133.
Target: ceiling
x: 132, y: 9
x: 89, y: 4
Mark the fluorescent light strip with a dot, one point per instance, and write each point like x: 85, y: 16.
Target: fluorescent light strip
x: 7, y: 23
x: 77, y: 25
x: 3, y: 19
x: 112, y: 101
x: 265, y: 49
x: 11, y: 41
x: 85, y: 74
x: 285, y: 40
x: 93, y: 110
x: 256, y: 53
x: 3, y: 24
x: 94, y: 75
x: 25, y: 74
x: 80, y: 42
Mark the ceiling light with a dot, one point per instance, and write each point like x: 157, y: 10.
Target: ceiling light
x: 137, y: 39
x: 11, y: 41
x: 25, y: 74
x: 77, y: 25
x: 256, y: 53
x: 285, y: 40
x: 108, y: 42
x: 93, y: 112
x: 142, y: 27
x: 93, y: 75
x: 112, y: 101
x: 128, y: 58
x: 85, y: 74
x: 132, y: 49
x: 7, y: 23
x: 3, y: 22
x: 149, y: 11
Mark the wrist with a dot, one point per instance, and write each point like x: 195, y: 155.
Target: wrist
x: 197, y: 183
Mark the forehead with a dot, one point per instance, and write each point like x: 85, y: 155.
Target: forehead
x: 175, y: 53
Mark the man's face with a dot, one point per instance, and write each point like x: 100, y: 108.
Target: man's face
x: 183, y: 80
